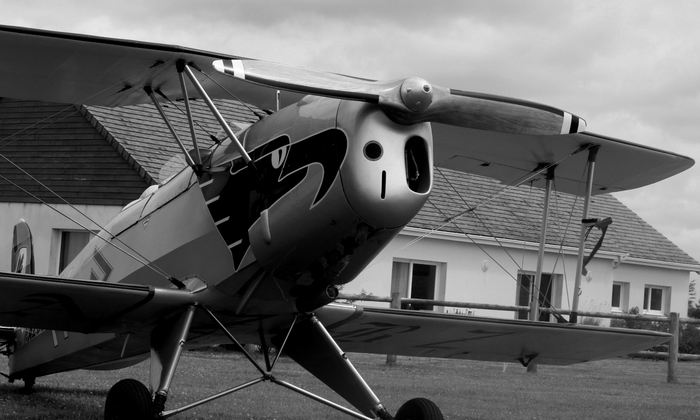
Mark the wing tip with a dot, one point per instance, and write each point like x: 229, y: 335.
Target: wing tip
x: 230, y: 68
x: 572, y: 124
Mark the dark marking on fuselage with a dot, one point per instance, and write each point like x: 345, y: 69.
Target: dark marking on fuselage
x: 280, y: 167
x: 105, y: 268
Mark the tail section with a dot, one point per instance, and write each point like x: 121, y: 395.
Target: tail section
x: 22, y: 249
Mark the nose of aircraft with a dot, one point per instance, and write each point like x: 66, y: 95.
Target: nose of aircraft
x: 387, y: 175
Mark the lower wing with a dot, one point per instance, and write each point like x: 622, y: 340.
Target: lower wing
x: 56, y: 303
x: 427, y: 334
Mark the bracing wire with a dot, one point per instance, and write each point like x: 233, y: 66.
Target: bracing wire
x: 472, y: 210
x: 35, y: 128
x: 252, y: 111
x: 535, y: 290
x: 82, y: 101
x: 476, y: 215
x: 176, y: 106
x: 502, y: 191
x: 143, y: 261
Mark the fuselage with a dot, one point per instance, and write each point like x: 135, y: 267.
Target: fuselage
x: 333, y: 182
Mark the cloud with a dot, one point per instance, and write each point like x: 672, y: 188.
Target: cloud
x: 630, y: 68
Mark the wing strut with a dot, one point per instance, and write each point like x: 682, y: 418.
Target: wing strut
x: 182, y: 67
x: 186, y: 69
x: 190, y: 121
x: 535, y: 295
x: 592, y: 154
x: 188, y: 158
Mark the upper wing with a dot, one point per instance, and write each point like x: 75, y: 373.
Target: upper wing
x: 483, y: 138
x: 510, y: 158
x: 72, y: 68
x: 84, y: 306
x: 427, y: 334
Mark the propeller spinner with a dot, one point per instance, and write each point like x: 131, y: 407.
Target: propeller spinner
x: 413, y: 100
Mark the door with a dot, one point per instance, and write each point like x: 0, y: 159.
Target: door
x: 526, y: 283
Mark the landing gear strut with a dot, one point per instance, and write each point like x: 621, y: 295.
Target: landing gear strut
x: 310, y: 346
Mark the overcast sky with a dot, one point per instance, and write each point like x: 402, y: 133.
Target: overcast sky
x: 630, y: 68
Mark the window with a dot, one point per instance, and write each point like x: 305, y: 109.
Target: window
x: 549, y: 296
x: 655, y: 300
x: 72, y: 242
x: 620, y: 297
x: 418, y: 280
x: 617, y: 291
x: 423, y: 285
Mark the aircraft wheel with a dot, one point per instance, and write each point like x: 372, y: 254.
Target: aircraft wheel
x: 129, y: 399
x: 419, y: 409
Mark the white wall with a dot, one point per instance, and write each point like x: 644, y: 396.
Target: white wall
x: 466, y: 281
x: 641, y: 275
x: 45, y: 224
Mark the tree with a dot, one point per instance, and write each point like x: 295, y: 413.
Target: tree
x: 691, y: 293
x: 693, y: 307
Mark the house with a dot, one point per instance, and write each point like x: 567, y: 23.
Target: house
x: 474, y: 241
x: 489, y: 255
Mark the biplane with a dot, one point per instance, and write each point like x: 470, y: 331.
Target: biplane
x: 249, y: 241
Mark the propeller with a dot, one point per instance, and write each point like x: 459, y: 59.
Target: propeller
x: 413, y: 100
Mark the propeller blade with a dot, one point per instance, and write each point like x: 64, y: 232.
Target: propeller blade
x: 493, y: 113
x: 413, y: 100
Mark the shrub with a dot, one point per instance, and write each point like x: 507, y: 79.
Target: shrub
x: 587, y: 320
x: 689, y: 340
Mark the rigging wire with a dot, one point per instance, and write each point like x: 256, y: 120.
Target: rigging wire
x: 147, y: 264
x: 196, y: 122
x: 35, y: 127
x: 530, y: 176
x: 472, y: 209
x: 474, y: 214
x: 535, y: 289
x: 252, y: 111
x: 82, y: 101
x: 15, y: 136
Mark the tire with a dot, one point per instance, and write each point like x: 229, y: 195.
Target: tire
x: 129, y: 399
x: 419, y: 409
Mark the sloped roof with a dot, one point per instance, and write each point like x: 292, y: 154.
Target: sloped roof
x: 515, y: 213
x: 94, y: 155
x: 140, y: 130
x: 62, y: 150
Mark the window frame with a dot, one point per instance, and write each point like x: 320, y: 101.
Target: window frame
x: 59, y: 255
x: 623, y: 304
x: 556, y: 282
x: 648, y: 296
x: 440, y: 269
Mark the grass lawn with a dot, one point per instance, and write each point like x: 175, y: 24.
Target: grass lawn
x: 610, y: 389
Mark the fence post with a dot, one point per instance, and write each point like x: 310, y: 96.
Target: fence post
x: 674, y: 329
x: 395, y: 304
